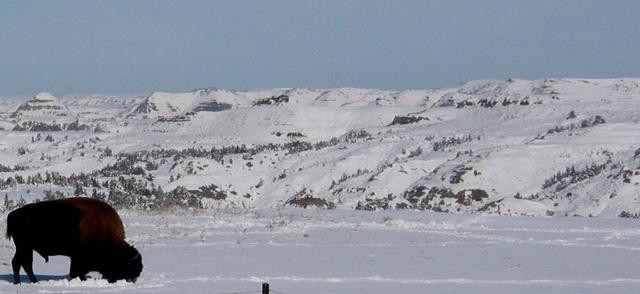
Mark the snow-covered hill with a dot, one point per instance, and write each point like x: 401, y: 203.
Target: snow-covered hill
x: 547, y: 147
x: 41, y: 105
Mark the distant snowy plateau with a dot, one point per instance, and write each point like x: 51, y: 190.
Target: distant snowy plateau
x: 553, y: 147
x: 212, y: 186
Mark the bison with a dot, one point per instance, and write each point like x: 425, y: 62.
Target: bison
x: 87, y: 230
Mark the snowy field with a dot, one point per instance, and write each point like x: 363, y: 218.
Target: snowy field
x: 374, y: 166
x: 347, y: 251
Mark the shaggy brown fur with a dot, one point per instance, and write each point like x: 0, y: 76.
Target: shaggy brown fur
x: 87, y: 230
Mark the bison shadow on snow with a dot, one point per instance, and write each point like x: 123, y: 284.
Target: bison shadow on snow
x: 25, y: 278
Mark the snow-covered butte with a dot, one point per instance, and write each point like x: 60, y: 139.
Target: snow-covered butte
x: 43, y: 104
x: 556, y: 147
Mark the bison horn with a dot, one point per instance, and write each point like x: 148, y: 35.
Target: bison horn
x: 134, y: 258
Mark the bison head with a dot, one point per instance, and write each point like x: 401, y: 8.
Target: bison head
x: 126, y: 264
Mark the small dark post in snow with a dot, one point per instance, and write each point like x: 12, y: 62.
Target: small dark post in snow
x: 265, y: 288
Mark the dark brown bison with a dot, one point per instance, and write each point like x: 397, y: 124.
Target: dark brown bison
x: 89, y: 231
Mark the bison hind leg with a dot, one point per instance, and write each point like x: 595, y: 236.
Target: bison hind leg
x: 15, y: 264
x: 24, y: 258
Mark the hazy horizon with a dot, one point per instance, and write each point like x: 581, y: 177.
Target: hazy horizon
x: 137, y: 47
x: 267, y: 88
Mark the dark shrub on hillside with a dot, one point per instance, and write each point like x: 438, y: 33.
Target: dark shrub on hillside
x: 305, y: 199
x: 405, y: 120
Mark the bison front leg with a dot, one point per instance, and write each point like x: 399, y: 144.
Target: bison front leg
x: 24, y: 258
x: 77, y: 269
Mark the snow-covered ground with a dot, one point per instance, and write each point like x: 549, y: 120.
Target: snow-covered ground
x: 348, y: 251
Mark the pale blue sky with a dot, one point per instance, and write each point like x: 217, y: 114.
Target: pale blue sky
x: 141, y: 46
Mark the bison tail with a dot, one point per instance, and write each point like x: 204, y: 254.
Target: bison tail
x: 10, y: 224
